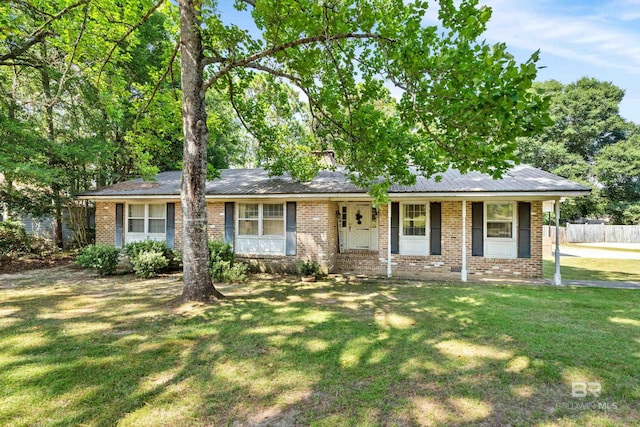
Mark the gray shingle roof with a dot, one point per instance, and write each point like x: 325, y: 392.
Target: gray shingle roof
x: 245, y: 182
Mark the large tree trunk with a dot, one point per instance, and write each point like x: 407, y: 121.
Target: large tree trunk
x: 197, y: 280
x: 55, y: 188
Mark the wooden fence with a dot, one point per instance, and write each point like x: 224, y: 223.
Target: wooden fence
x: 593, y: 233
x: 549, y: 235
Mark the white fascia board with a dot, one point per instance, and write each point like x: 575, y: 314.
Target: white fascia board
x: 511, y: 195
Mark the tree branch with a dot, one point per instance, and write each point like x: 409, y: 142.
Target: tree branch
x: 249, y: 2
x: 127, y: 34
x: 39, y: 34
x: 73, y: 54
x: 162, y: 78
x: 271, y: 51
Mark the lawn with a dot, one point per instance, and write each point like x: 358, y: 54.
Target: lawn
x: 576, y: 268
x: 75, y: 349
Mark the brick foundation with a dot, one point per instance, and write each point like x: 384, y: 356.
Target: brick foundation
x: 317, y: 239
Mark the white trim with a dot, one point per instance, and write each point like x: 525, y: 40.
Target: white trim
x: 260, y: 244
x: 557, y: 278
x: 463, y: 269
x: 389, y: 272
x: 130, y: 236
x: 469, y: 196
x: 404, y: 242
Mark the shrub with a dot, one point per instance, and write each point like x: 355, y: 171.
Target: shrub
x: 227, y: 271
x: 40, y: 245
x: 308, y: 268
x: 102, y: 258
x: 132, y: 250
x: 221, y: 264
x: 149, y: 263
x: 13, y: 238
x: 219, y: 251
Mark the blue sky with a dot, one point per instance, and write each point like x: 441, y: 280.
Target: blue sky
x: 598, y: 39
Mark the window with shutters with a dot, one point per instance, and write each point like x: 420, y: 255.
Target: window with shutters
x: 413, y: 229
x: 146, y: 221
x: 260, y: 228
x: 499, y: 226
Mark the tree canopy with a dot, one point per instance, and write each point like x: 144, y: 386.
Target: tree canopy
x: 310, y: 75
x: 585, y: 140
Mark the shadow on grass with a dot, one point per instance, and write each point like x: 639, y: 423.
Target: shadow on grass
x: 335, y: 352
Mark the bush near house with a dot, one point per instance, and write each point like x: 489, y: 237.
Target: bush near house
x: 150, y: 258
x: 221, y: 263
x: 103, y: 258
x: 149, y: 264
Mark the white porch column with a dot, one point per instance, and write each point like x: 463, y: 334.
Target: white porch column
x: 557, y: 279
x: 389, y: 239
x: 463, y: 271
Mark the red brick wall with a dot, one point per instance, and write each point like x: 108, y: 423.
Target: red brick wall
x: 317, y: 239
x: 106, y: 224
x: 449, y: 264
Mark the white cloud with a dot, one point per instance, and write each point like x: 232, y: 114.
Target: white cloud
x: 599, y: 37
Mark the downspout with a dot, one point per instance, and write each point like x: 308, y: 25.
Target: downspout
x: 463, y: 270
x: 557, y: 279
x: 389, y: 239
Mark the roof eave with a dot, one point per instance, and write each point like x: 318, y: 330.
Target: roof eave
x: 542, y: 195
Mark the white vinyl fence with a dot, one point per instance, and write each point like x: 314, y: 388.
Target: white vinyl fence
x: 594, y: 233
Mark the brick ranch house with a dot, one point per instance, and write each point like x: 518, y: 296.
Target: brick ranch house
x: 464, y: 225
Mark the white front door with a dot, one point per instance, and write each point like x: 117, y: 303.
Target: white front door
x: 359, y: 225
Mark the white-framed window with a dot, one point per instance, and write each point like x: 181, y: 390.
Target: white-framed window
x: 146, y: 221
x: 260, y: 228
x: 500, y: 229
x: 414, y: 220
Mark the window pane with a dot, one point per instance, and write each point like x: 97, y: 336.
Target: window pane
x: 248, y: 211
x: 136, y: 211
x: 499, y: 229
x: 499, y: 211
x: 156, y: 226
x: 273, y: 227
x: 248, y: 227
x: 414, y: 221
x: 273, y: 211
x: 136, y: 226
x: 157, y: 211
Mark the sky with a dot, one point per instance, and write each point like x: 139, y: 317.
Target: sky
x: 576, y: 38
x: 599, y: 39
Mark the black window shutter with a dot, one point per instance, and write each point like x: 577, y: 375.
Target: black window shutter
x: 436, y: 228
x: 119, y: 224
x: 524, y: 230
x: 477, y: 228
x: 171, y: 224
x: 291, y: 229
x: 395, y: 228
x: 228, y: 223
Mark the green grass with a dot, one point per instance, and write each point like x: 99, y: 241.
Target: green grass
x: 75, y: 349
x: 576, y: 268
x: 601, y: 248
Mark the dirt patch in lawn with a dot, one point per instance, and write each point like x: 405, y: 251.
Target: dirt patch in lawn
x: 33, y: 262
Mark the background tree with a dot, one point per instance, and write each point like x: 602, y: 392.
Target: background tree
x: 585, y: 120
x: 618, y: 170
